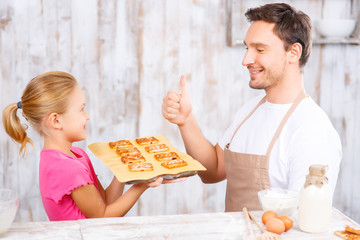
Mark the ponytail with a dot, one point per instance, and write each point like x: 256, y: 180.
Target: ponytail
x: 14, y: 128
x: 45, y: 94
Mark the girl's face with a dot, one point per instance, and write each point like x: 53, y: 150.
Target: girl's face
x: 75, y: 118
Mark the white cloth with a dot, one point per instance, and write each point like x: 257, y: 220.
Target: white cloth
x: 307, y: 138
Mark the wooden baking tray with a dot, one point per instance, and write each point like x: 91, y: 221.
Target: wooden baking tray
x: 113, y: 161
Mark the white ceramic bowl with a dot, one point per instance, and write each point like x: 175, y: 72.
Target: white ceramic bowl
x: 335, y: 28
x: 9, y: 202
x: 281, y: 201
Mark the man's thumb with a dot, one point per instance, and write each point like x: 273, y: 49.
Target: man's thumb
x: 183, y: 88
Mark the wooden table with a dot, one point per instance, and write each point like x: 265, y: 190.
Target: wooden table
x: 219, y: 226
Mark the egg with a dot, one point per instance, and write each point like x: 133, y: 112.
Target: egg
x: 288, y: 222
x: 275, y: 225
x: 267, y: 215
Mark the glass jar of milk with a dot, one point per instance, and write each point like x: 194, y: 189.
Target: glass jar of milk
x: 315, y: 204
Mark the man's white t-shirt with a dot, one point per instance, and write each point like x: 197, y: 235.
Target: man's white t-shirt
x: 307, y: 138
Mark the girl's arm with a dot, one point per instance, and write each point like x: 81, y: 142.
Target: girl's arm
x: 112, y: 192
x: 91, y: 204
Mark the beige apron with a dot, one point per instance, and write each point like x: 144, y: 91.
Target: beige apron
x: 247, y: 174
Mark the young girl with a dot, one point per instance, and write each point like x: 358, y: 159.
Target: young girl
x: 54, y: 104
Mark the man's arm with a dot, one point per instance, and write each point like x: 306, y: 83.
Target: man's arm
x: 203, y: 151
x: 316, y: 144
x: 177, y: 109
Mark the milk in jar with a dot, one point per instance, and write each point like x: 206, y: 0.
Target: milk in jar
x: 315, y: 203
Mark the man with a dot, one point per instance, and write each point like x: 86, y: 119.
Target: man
x: 274, y: 138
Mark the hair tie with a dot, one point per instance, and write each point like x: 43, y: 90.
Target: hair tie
x: 19, y: 104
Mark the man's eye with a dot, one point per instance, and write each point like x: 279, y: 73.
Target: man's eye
x: 260, y: 50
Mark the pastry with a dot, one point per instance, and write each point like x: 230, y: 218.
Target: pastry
x: 157, y: 148
x: 174, y: 163
x: 121, y: 144
x: 127, y: 151
x: 146, y: 141
x: 347, y: 235
x: 133, y: 158
x: 166, y: 156
x: 353, y: 229
x: 140, y: 167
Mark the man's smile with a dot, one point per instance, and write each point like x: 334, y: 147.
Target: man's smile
x: 255, y: 71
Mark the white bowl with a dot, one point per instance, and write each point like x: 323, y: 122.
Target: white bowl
x: 335, y: 28
x: 9, y: 202
x: 281, y: 201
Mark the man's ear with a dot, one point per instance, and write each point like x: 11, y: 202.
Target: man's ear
x: 295, y: 52
x: 54, y: 121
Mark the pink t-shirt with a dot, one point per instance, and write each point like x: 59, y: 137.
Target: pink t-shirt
x: 59, y: 175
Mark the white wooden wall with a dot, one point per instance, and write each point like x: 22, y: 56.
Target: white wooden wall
x: 127, y: 54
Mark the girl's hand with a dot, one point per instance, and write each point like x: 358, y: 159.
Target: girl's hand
x: 160, y: 181
x: 175, y: 180
x: 155, y: 183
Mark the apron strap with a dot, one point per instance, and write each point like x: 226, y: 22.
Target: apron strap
x: 298, y: 99
x: 261, y: 102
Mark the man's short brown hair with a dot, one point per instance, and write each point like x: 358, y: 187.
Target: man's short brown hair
x: 291, y: 26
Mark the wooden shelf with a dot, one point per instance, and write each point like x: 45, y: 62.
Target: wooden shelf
x: 351, y: 41
x: 317, y: 41
x: 237, y: 24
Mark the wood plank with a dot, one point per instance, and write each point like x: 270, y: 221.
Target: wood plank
x: 229, y: 225
x: 44, y: 230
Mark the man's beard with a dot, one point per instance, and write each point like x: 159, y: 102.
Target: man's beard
x: 269, y: 78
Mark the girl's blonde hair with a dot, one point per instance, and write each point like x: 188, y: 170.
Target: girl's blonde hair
x: 44, y: 94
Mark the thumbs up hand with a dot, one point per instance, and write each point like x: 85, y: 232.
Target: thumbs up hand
x: 177, y: 107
